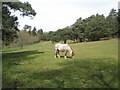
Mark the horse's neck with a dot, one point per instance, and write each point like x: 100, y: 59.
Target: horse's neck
x: 70, y: 51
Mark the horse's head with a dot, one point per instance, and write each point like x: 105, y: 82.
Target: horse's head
x: 72, y: 55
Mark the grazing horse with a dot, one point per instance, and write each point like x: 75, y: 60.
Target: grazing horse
x: 63, y: 48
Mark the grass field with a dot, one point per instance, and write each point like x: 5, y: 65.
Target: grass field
x: 95, y: 66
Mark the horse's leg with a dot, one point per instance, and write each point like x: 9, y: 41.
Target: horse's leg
x: 58, y: 53
x: 65, y: 55
x: 55, y: 53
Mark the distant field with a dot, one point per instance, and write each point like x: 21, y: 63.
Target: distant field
x: 95, y: 66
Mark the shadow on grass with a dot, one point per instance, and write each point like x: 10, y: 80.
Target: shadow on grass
x: 24, y: 52
x: 66, y: 56
x: 78, y: 74
x: 14, y: 58
x: 10, y: 61
x: 84, y: 73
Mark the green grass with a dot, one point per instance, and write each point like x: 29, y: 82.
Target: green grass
x: 95, y: 66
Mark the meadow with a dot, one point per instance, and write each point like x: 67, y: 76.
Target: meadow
x: 95, y: 66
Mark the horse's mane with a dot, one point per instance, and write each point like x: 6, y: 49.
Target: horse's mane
x: 72, y: 50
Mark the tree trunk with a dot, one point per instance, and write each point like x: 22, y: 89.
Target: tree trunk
x: 80, y: 40
x: 21, y: 47
x: 65, y: 41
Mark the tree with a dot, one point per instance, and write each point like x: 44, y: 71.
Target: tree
x: 27, y: 28
x: 34, y: 31
x: 78, y: 30
x: 112, y: 23
x: 54, y: 37
x: 9, y: 22
x: 96, y: 26
x: 30, y: 32
x: 40, y: 34
x: 64, y: 34
x: 24, y: 38
x: 118, y: 22
x: 8, y: 35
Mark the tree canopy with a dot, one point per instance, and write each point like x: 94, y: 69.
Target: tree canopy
x: 92, y: 28
x: 9, y: 22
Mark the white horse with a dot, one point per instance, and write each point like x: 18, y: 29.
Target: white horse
x: 63, y: 48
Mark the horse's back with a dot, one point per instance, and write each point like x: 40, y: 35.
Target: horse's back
x: 62, y: 47
x: 57, y: 45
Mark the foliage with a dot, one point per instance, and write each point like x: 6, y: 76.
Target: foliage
x: 64, y: 34
x: 95, y: 27
x: 8, y: 36
x: 92, y: 28
x: 34, y: 31
x: 112, y: 23
x: 40, y: 32
x: 24, y: 38
x: 27, y: 28
x: 118, y: 19
x: 9, y: 22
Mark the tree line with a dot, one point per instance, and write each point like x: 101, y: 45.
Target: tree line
x: 93, y: 28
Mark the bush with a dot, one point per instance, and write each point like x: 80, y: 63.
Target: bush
x: 24, y: 38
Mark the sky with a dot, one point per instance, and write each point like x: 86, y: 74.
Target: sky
x: 57, y: 14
